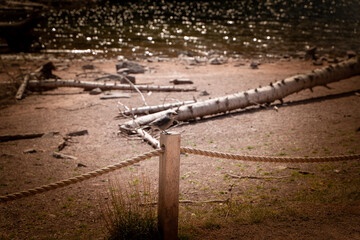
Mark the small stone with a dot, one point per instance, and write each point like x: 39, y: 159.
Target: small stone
x: 318, y: 62
x: 132, y: 67
x: 215, y: 61
x: 31, y: 150
x: 95, y: 91
x: 81, y: 165
x: 254, y: 65
x: 128, y: 77
x: 204, y: 93
x: 88, y: 67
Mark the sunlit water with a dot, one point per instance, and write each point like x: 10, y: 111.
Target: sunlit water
x: 245, y: 28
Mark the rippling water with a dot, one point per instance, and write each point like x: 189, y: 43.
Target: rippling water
x: 267, y: 28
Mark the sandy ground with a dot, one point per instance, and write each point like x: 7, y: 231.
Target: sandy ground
x: 325, y: 122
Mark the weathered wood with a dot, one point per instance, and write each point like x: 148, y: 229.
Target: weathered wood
x: 105, y: 97
x: 6, y: 138
x: 154, y: 109
x: 63, y: 156
x: 77, y: 133
x: 148, y: 138
x: 181, y: 81
x: 169, y: 173
x: 262, y: 95
x: 21, y: 90
x: 51, y: 83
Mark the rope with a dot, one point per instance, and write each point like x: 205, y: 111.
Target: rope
x: 85, y: 176
x: 131, y: 161
x: 269, y: 159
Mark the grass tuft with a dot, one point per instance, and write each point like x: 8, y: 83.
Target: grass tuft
x: 130, y: 214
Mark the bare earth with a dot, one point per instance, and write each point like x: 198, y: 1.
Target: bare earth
x: 323, y: 198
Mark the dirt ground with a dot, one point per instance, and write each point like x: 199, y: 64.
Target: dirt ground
x: 324, y: 198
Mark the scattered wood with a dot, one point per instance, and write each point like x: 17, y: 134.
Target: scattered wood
x: 31, y: 150
x: 181, y: 81
x: 148, y: 138
x: 192, y: 202
x: 77, y: 133
x: 6, y: 138
x: 255, y: 177
x: 261, y: 95
x: 114, y: 96
x: 63, y: 144
x: 63, y: 156
x: 83, y: 107
x: 154, y: 109
x: 207, y: 201
x: 51, y: 83
x: 21, y: 90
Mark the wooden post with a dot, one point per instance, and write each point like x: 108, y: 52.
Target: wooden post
x: 169, y: 173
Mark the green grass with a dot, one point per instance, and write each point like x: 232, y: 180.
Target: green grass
x: 130, y: 214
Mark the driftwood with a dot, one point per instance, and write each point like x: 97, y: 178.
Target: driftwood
x: 181, y: 81
x: 148, y: 138
x: 262, y: 95
x: 21, y: 90
x: 255, y: 177
x: 6, y: 138
x: 51, y: 83
x: 105, y: 97
x: 77, y: 133
x: 153, y: 109
x: 63, y: 156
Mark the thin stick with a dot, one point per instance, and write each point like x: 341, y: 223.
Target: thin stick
x: 254, y: 177
x: 142, y: 96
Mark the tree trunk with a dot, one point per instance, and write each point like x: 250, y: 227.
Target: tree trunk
x: 21, y: 90
x: 153, y: 109
x: 268, y: 94
x: 50, y: 83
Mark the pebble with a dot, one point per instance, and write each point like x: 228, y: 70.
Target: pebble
x: 130, y: 66
x: 95, y: 91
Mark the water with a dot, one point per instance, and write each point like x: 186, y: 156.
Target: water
x: 261, y: 29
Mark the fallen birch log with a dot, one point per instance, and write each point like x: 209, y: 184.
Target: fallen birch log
x: 267, y: 94
x: 21, y: 90
x: 51, y: 83
x: 148, y: 138
x: 153, y: 109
